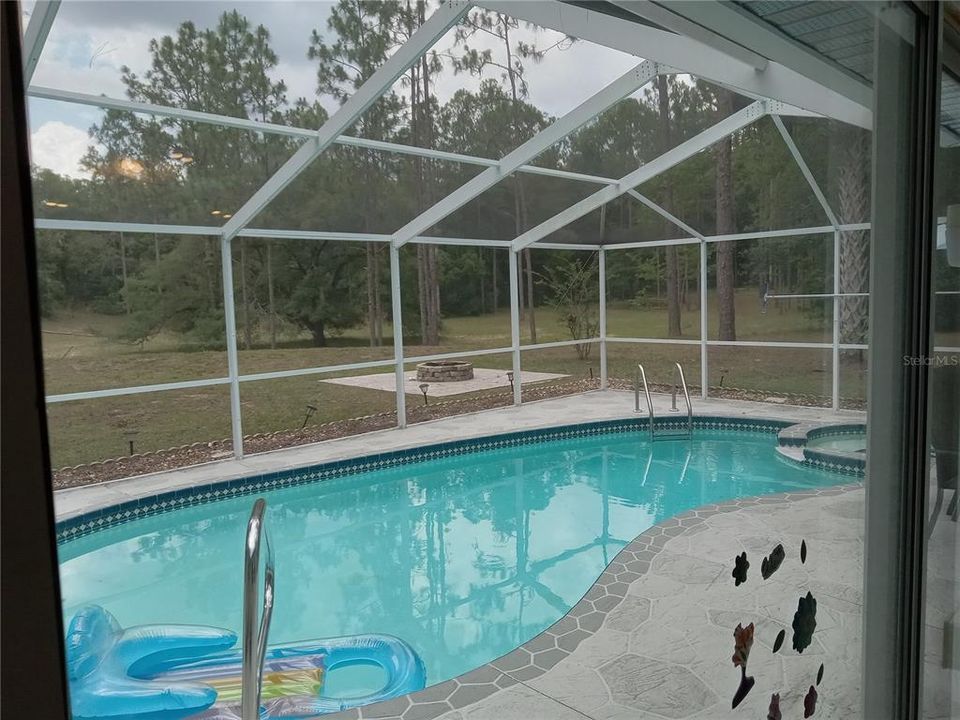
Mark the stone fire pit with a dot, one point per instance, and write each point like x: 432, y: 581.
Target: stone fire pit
x: 444, y: 371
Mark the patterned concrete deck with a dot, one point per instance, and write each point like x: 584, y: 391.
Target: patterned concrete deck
x: 654, y: 638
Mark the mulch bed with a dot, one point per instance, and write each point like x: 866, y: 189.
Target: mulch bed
x: 187, y: 455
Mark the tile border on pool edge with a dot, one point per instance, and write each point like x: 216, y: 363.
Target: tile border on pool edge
x: 109, y: 516
x: 559, y: 641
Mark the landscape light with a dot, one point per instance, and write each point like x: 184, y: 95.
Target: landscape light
x: 510, y: 378
x: 130, y: 434
x: 423, y: 388
x: 311, y: 409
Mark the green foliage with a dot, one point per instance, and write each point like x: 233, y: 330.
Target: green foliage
x: 320, y: 282
x: 573, y: 284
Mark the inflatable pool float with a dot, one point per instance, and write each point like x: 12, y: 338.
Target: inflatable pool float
x: 175, y: 672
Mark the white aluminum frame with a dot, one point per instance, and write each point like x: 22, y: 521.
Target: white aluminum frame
x: 625, y: 85
x: 602, y: 291
x: 35, y: 35
x: 516, y: 348
x: 257, y: 126
x: 739, y: 27
x: 667, y: 18
x: 657, y: 166
x: 779, y: 76
x: 777, y: 82
x: 443, y: 18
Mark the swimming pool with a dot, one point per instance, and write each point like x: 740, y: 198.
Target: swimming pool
x: 465, y: 552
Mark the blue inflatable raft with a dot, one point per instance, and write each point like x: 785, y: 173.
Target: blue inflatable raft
x: 175, y: 672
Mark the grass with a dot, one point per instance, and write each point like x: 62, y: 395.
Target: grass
x: 80, y: 353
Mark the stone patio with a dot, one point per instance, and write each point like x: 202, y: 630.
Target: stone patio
x: 483, y: 379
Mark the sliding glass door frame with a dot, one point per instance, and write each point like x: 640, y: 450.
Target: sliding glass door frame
x: 34, y: 672
x: 905, y: 140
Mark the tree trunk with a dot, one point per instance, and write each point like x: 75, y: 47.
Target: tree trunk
x: 673, y: 292
x: 214, y: 279
x: 673, y: 272
x: 377, y: 299
x: 656, y: 258
x: 725, y: 225
x: 520, y: 199
x: 482, y: 281
x: 854, y: 246
x: 270, y: 299
x: 318, y: 331
x: 371, y: 296
x: 531, y: 315
x: 156, y: 256
x: 244, y: 297
x: 493, y: 279
x: 123, y: 274
x: 685, y: 284
x: 428, y: 270
x: 434, y: 328
x: 422, y: 291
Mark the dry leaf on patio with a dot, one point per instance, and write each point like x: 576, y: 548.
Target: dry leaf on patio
x: 743, y: 642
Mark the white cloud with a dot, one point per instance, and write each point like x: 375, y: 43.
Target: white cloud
x: 59, y: 147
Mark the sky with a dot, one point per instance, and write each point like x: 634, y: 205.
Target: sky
x: 91, y: 40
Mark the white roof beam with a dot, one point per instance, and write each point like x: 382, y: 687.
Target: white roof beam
x: 778, y: 81
x: 747, y: 30
x: 620, y: 88
x: 666, y: 18
x: 805, y: 169
x: 443, y: 18
x: 35, y: 36
x: 262, y: 233
x: 663, y: 212
x: 110, y: 103
x: 257, y: 126
x: 645, y: 172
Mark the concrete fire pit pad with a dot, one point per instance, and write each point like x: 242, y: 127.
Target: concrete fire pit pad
x: 483, y: 379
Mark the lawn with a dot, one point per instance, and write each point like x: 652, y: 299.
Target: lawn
x: 80, y: 353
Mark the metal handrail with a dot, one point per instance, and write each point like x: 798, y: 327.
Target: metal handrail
x: 686, y: 395
x: 255, y: 639
x: 642, y: 376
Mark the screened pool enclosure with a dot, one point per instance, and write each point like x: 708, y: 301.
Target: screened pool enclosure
x: 605, y: 219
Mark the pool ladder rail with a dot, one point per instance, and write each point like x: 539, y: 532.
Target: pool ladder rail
x: 641, y: 379
x: 254, y: 637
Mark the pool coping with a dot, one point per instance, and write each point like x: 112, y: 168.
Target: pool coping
x: 116, y: 514
x: 541, y: 653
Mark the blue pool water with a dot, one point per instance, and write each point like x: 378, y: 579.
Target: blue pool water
x: 464, y: 558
